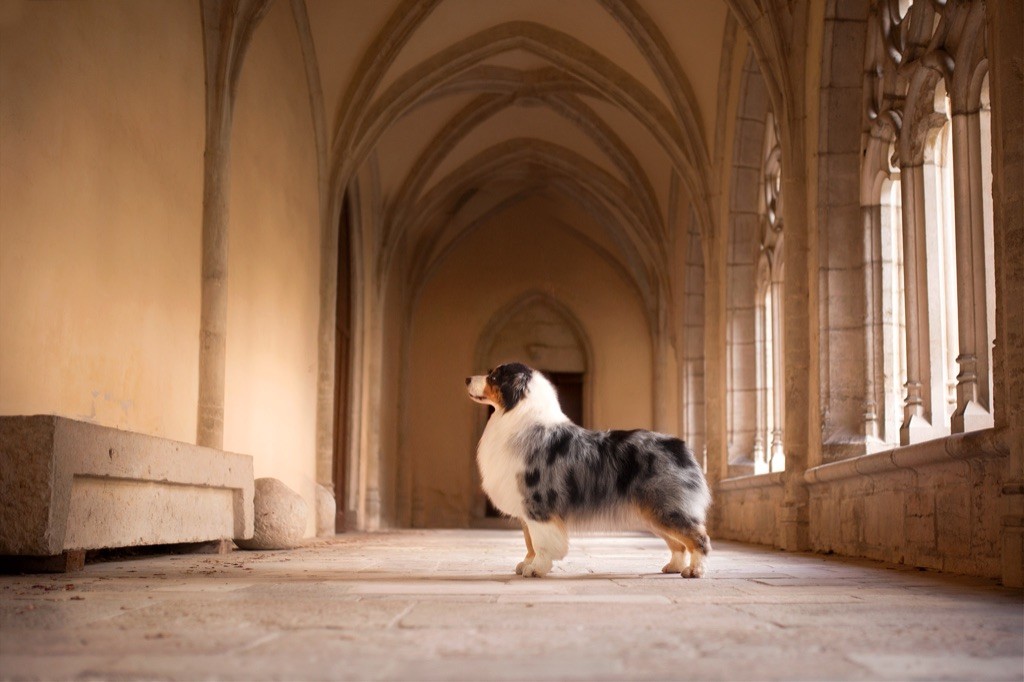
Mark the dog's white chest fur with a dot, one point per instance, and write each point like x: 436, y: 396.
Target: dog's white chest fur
x: 501, y: 466
x: 499, y: 455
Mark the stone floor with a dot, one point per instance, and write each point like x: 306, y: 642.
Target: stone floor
x: 444, y: 605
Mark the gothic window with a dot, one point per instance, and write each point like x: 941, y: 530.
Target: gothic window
x: 927, y: 116
x: 749, y: 204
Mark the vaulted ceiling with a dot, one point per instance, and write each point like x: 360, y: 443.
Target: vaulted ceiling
x: 596, y: 111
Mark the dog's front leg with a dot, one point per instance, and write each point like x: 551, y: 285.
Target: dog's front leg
x: 529, y: 550
x: 550, y: 543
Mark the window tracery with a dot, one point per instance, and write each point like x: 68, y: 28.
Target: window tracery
x: 927, y: 138
x: 768, y: 451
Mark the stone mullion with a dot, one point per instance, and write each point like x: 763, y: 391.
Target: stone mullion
x: 776, y: 452
x: 760, y: 362
x: 873, y: 342
x: 972, y: 410
x: 917, y: 408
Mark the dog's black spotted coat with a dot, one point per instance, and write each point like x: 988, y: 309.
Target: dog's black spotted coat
x: 572, y: 472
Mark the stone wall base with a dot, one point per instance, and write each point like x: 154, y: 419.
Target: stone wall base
x: 938, y: 505
x: 747, y: 508
x: 70, y: 485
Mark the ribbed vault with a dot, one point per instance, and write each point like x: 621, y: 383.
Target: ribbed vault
x: 609, y: 85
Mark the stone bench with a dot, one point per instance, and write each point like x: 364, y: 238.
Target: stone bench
x: 69, y: 485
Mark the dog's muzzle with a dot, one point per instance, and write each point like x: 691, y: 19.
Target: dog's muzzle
x: 475, y: 387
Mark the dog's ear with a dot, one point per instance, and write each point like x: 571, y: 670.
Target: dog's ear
x: 514, y: 384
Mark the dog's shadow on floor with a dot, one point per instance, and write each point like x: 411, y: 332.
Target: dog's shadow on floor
x: 388, y: 576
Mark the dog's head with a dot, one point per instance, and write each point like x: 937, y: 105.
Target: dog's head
x: 503, y: 387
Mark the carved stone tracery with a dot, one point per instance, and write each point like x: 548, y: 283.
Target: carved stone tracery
x: 915, y: 51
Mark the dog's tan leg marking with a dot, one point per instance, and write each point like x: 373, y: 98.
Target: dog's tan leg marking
x: 530, y: 554
x: 551, y: 543
x: 692, y: 539
x: 680, y: 555
x: 697, y: 557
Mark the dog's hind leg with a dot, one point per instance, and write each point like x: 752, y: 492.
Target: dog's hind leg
x: 550, y: 543
x: 680, y: 559
x: 691, y: 534
x: 529, y: 550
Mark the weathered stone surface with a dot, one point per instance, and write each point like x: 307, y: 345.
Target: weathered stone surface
x: 67, y: 484
x: 446, y: 605
x: 280, y: 516
x: 326, y: 509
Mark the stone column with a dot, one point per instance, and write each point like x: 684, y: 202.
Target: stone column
x: 800, y: 378
x: 228, y: 26
x: 776, y: 456
x: 917, y: 410
x: 973, y: 405
x: 715, y: 359
x: 870, y: 224
x: 1005, y: 31
x: 761, y: 368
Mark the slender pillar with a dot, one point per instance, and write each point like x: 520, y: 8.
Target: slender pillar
x: 917, y: 406
x: 764, y: 395
x: 972, y: 409
x: 871, y: 226
x: 213, y: 320
x: 777, y: 458
x: 801, y: 373
x: 228, y: 26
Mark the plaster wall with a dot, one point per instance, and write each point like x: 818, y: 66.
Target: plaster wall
x: 101, y: 108
x: 273, y: 264
x: 515, y: 253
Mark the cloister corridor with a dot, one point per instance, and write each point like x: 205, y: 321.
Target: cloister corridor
x: 425, y: 605
x: 251, y: 251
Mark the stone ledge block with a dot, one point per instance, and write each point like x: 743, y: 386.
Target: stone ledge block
x: 70, y: 485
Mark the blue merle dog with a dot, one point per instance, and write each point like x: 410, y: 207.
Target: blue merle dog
x: 551, y: 474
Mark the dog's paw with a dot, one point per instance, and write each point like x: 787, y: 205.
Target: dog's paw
x: 537, y: 569
x: 520, y: 566
x: 693, y: 571
x: 673, y: 567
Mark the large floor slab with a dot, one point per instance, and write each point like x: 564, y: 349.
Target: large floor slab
x: 421, y: 605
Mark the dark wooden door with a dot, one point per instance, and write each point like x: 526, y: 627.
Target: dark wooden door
x: 570, y: 393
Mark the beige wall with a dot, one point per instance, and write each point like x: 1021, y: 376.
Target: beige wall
x: 101, y: 108
x: 273, y: 263
x: 515, y: 253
